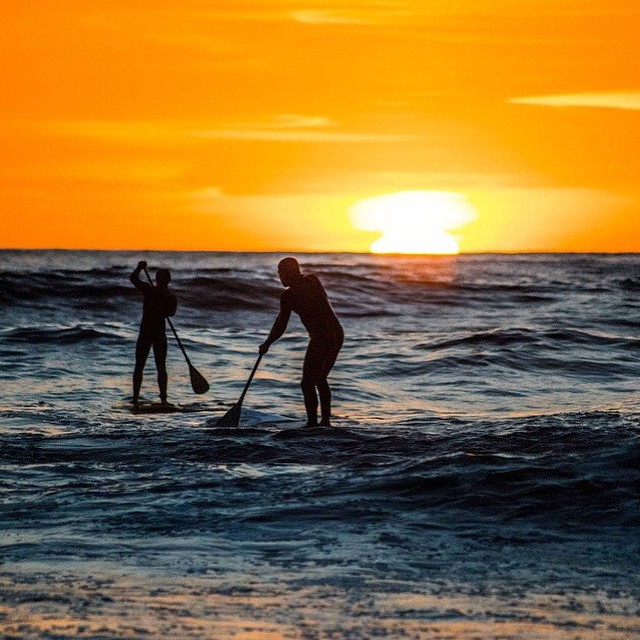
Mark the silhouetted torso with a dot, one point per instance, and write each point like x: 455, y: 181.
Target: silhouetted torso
x: 308, y: 299
x: 159, y: 303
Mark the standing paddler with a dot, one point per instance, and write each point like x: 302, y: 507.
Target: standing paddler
x: 306, y: 296
x: 159, y: 303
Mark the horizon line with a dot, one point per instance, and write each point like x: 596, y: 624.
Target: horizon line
x: 309, y: 252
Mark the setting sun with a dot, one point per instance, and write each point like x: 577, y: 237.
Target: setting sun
x: 414, y: 221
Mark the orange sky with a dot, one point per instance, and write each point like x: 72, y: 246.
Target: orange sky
x: 257, y: 124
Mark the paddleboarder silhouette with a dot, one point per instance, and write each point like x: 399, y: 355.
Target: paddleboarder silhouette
x: 159, y: 303
x: 306, y: 296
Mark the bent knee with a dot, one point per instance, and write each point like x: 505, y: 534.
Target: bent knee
x: 308, y: 382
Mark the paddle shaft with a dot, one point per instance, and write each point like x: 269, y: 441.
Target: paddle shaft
x: 253, y: 373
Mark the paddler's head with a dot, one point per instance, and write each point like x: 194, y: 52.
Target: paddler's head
x: 163, y: 277
x: 289, y: 271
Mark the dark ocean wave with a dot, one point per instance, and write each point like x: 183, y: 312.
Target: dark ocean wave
x: 530, y: 339
x: 630, y: 284
x: 549, y: 470
x: 469, y: 370
x: 71, y: 289
x: 215, y: 293
x: 53, y: 335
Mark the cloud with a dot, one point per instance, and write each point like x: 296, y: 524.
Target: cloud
x: 294, y: 128
x: 326, y: 17
x: 412, y: 12
x: 279, y: 128
x: 627, y: 100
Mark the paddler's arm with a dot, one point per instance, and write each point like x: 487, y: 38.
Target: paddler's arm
x: 279, y: 327
x: 135, y: 276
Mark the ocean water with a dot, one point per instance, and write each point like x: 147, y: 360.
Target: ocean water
x: 481, y: 480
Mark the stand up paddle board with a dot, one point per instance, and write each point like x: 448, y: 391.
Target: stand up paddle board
x: 146, y: 406
x: 154, y: 407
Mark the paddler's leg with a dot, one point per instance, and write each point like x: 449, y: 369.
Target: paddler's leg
x: 160, y: 355
x: 324, y: 391
x: 143, y: 346
x: 311, y: 369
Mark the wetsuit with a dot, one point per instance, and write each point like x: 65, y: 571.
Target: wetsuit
x: 307, y: 297
x: 159, y: 303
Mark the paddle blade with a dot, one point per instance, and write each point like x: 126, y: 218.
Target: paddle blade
x: 198, y: 383
x: 231, y: 419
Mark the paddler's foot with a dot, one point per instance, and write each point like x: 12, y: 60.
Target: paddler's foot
x: 325, y: 423
x: 311, y: 424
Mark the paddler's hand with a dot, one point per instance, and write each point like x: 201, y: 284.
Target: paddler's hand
x: 263, y: 348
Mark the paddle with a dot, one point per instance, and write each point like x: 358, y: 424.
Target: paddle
x: 198, y: 383
x: 231, y: 419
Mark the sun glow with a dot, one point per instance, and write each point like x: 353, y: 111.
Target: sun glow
x: 417, y: 222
